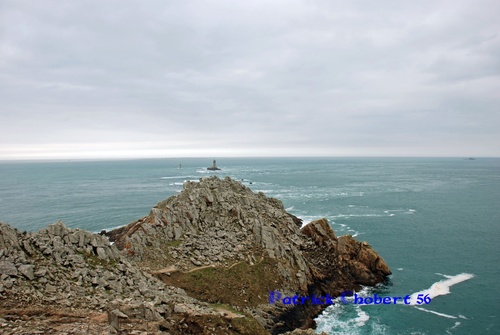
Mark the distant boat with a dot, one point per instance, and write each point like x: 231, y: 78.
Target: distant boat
x: 471, y: 159
x: 180, y: 166
x: 213, y: 167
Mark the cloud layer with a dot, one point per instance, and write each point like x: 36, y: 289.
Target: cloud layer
x: 85, y: 79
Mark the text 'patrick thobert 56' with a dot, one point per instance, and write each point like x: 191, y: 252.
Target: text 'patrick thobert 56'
x: 348, y: 298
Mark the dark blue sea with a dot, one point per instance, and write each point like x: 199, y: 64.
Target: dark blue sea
x: 435, y: 221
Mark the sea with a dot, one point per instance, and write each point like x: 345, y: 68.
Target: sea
x: 435, y: 221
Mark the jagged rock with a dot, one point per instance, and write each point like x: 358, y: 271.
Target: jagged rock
x: 8, y: 268
x: 8, y: 282
x: 27, y: 271
x: 56, y: 229
x: 218, y: 222
x: 320, y: 232
x: 115, y: 318
x: 50, y: 288
x: 8, y: 237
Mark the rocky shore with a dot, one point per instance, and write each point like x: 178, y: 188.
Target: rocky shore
x: 202, y: 262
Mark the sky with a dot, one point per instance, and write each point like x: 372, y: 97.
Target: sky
x: 224, y: 78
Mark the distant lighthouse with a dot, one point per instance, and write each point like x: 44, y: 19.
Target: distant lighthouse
x: 213, y: 167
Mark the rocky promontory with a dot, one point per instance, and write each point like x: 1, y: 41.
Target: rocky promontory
x: 202, y: 262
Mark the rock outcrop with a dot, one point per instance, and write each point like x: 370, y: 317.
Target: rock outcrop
x: 230, y: 237
x: 202, y: 262
x: 70, y: 281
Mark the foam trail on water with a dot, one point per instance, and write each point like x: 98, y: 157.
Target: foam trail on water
x: 441, y: 287
x: 449, y: 331
x: 437, y: 313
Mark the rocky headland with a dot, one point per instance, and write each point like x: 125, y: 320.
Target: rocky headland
x: 202, y: 262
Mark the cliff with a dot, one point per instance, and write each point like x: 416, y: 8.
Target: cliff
x: 202, y: 262
x: 221, y: 242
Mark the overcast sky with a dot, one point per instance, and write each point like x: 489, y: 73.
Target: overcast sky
x: 123, y: 79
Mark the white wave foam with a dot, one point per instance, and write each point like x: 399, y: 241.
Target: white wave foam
x: 306, y: 219
x: 441, y: 287
x: 361, y: 319
x: 335, y: 320
x: 446, y: 276
x: 437, y: 313
x: 206, y: 171
x: 393, y: 212
x: 449, y: 330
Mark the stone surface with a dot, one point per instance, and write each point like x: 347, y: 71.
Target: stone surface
x: 8, y: 268
x: 27, y: 271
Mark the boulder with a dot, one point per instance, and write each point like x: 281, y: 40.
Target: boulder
x: 27, y: 271
x: 8, y: 268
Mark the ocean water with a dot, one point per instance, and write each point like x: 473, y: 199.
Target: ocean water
x: 436, y: 222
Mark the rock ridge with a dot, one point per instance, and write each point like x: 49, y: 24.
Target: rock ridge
x: 202, y: 262
x: 221, y: 223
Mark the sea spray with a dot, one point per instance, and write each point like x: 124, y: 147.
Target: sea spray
x: 441, y: 287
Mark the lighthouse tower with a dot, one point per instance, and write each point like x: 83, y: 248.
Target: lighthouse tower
x: 213, y: 167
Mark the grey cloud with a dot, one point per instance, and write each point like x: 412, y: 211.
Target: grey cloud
x: 300, y: 77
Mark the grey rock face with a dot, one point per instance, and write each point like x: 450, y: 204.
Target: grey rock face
x: 8, y: 268
x: 8, y: 237
x: 27, y: 271
x: 215, y: 222
x: 220, y: 223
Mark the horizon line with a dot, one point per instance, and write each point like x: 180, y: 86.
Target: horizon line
x: 91, y: 159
